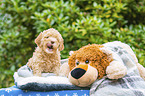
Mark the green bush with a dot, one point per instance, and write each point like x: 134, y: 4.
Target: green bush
x: 15, y: 49
x: 105, y: 9
x: 135, y: 13
x: 79, y: 21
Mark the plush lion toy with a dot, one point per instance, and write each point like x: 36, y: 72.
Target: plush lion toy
x: 95, y: 61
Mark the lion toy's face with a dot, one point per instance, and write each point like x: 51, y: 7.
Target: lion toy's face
x: 87, y: 64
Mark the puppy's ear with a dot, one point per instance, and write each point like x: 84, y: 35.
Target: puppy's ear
x: 38, y: 39
x: 61, y: 46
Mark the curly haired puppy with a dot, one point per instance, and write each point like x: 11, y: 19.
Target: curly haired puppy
x: 46, y: 57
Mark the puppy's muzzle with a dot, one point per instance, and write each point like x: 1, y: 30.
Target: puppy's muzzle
x: 50, y: 46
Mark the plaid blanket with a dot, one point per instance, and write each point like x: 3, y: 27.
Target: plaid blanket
x: 131, y: 85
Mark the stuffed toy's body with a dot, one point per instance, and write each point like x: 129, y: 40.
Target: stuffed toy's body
x: 93, y: 62
x: 46, y: 57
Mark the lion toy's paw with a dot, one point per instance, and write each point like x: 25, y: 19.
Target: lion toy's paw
x: 116, y: 70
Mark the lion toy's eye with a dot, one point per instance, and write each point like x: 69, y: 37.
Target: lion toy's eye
x: 77, y: 62
x: 87, y: 61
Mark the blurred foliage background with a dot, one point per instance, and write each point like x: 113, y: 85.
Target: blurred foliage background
x: 79, y: 21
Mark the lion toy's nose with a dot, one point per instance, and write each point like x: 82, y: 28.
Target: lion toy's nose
x: 79, y: 71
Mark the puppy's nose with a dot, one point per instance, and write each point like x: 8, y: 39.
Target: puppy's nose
x: 78, y: 73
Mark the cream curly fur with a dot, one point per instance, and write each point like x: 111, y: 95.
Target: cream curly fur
x: 46, y: 57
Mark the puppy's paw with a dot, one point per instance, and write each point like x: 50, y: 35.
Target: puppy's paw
x: 116, y: 70
x: 37, y: 73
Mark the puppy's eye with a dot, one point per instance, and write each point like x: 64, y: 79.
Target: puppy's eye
x: 47, y: 37
x: 87, y: 61
x: 77, y: 62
